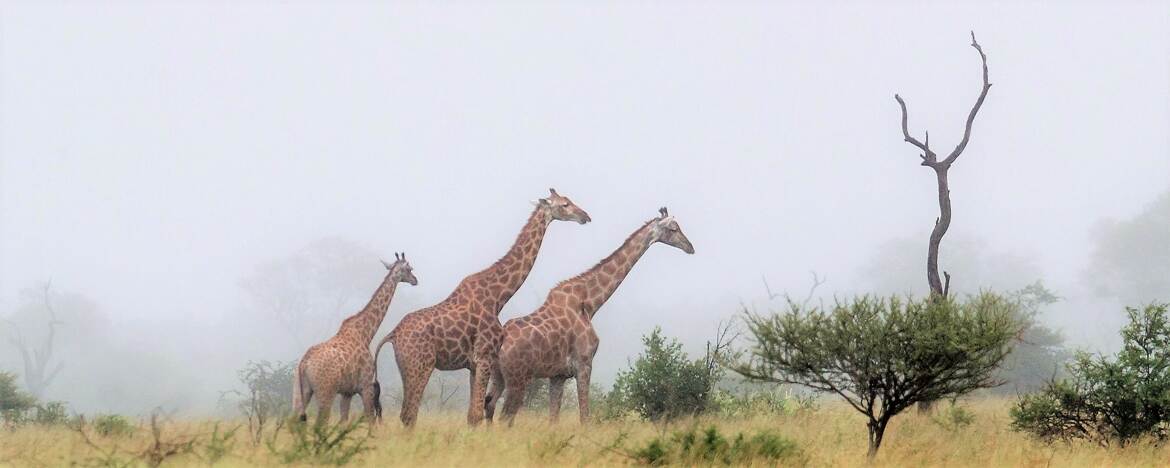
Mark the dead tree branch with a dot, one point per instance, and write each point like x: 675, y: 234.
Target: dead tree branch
x: 930, y: 159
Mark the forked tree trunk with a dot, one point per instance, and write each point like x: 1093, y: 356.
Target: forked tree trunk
x: 940, y: 289
x: 877, y: 429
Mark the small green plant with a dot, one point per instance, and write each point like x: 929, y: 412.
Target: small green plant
x: 218, y: 445
x: 322, y: 444
x: 14, y: 403
x: 954, y: 418
x: 708, y: 447
x: 549, y: 447
x: 112, y: 425
x: 50, y: 414
x: 772, y: 402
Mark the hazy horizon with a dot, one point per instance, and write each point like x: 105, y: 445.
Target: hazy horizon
x: 154, y: 157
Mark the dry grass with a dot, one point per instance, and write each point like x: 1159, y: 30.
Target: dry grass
x: 830, y: 436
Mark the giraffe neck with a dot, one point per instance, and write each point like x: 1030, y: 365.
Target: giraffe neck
x: 600, y: 282
x: 512, y: 269
x: 364, y: 324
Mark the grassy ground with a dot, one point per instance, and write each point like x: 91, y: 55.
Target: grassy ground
x: 831, y: 435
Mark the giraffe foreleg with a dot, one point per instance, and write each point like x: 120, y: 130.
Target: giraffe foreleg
x: 495, y: 391
x: 584, y: 370
x: 479, y: 380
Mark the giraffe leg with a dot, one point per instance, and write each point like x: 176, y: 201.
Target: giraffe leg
x: 494, y: 392
x: 479, y: 380
x: 584, y: 370
x: 517, y: 386
x: 416, y: 372
x: 325, y: 404
x: 346, y: 399
x: 371, y: 406
x: 556, y: 392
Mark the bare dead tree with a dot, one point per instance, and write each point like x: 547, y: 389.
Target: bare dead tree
x: 930, y: 159
x: 938, y: 287
x: 37, y: 376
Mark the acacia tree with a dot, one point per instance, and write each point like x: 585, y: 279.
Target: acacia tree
x: 882, y: 356
x: 941, y: 167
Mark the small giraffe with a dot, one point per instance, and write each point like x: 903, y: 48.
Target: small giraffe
x: 558, y: 341
x: 464, y: 331
x: 343, y: 365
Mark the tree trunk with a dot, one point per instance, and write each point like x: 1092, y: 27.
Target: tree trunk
x: 877, y: 429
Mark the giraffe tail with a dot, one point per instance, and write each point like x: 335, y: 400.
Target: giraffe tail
x: 299, y: 400
x: 389, y: 338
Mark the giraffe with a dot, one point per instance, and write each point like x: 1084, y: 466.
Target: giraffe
x: 558, y: 341
x: 343, y: 364
x: 463, y: 331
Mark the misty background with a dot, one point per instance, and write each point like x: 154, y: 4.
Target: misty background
x: 210, y: 184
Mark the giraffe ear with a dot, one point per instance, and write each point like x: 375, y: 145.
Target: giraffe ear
x: 387, y: 265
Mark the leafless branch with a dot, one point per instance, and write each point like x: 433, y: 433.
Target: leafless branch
x: 974, y: 109
x: 817, y: 282
x: 768, y: 289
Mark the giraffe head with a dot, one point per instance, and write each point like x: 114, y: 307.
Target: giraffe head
x: 400, y: 271
x: 666, y: 230
x: 561, y: 208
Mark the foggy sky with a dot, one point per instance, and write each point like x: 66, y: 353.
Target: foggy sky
x: 152, y: 155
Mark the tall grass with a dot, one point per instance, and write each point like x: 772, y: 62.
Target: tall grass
x: 828, y: 435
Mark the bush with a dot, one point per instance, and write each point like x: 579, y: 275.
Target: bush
x: 112, y: 425
x: 50, y: 414
x: 267, y: 396
x: 13, y: 401
x: 323, y: 444
x: 954, y: 418
x: 1106, y: 400
x: 708, y: 447
x: 663, y: 383
x: 775, y: 402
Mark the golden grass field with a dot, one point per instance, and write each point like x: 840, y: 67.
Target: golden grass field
x: 831, y: 435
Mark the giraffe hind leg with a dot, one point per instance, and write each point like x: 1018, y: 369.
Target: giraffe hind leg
x: 416, y: 372
x: 556, y: 392
x: 517, y: 386
x: 346, y: 399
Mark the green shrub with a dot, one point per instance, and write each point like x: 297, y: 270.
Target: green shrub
x: 12, y: 399
x: 954, y: 418
x: 708, y: 447
x: 323, y: 444
x: 772, y: 402
x: 663, y: 383
x: 112, y: 425
x: 50, y: 414
x: 1104, y: 400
